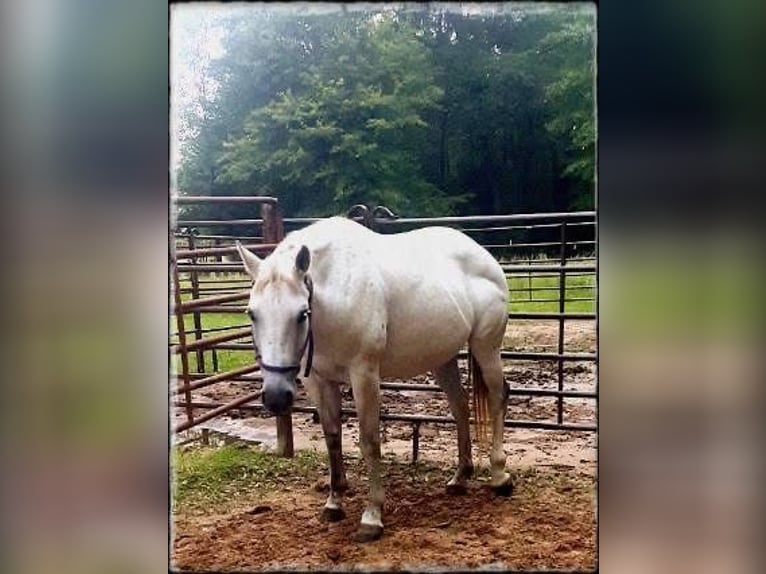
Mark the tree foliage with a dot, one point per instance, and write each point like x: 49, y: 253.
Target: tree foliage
x: 426, y: 112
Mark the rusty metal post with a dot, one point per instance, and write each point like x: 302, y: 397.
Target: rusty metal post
x: 214, y: 354
x: 273, y: 232
x: 176, y: 286
x: 273, y: 226
x: 562, y: 306
x: 196, y: 316
x: 285, y: 436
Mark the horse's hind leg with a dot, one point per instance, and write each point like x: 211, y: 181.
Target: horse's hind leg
x: 365, y: 381
x: 491, y: 366
x: 448, y: 378
x: 327, y: 397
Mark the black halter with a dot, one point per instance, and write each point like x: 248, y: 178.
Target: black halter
x: 308, y: 344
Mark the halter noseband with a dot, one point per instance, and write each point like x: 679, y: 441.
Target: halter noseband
x: 308, y: 344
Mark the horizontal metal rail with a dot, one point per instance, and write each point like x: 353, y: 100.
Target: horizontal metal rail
x: 545, y: 261
x: 549, y: 275
x: 306, y: 220
x: 225, y: 281
x: 215, y: 329
x: 192, y: 304
x: 216, y: 222
x: 207, y: 267
x: 182, y: 234
x: 517, y: 391
x: 570, y: 300
x: 186, y: 199
x: 541, y: 244
x: 203, y: 251
x: 206, y: 379
x: 211, y: 341
x: 541, y: 356
x: 220, y: 290
x: 526, y: 227
x: 234, y: 347
x: 212, y: 379
x: 509, y: 423
x: 547, y: 268
x: 520, y: 391
x: 567, y: 316
x: 222, y: 309
x: 562, y: 216
x: 523, y: 289
x: 240, y: 378
x: 218, y: 410
x: 549, y: 356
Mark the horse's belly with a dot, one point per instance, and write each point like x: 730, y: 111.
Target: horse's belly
x: 416, y: 344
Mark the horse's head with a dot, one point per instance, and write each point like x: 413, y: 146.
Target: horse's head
x: 280, y: 312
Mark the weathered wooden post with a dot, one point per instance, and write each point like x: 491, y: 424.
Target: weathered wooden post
x: 274, y: 232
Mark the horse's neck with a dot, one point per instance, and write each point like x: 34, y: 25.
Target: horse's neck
x: 342, y: 265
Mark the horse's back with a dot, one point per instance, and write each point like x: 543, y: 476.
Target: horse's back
x: 433, y: 289
x: 442, y: 290
x: 439, y: 250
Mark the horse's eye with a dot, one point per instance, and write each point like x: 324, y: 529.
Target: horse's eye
x: 303, y: 315
x: 251, y: 315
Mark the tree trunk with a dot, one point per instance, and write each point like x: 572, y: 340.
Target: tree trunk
x: 443, y: 159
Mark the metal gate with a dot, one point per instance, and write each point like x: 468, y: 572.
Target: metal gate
x: 555, y: 246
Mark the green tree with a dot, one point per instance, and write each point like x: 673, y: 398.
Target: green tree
x: 419, y: 110
x: 568, y: 54
x: 353, y: 132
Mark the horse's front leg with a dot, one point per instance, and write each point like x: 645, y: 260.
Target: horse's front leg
x: 327, y: 397
x: 365, y: 382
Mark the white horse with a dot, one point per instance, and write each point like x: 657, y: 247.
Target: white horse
x: 380, y: 306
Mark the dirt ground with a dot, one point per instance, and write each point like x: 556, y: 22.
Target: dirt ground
x: 548, y: 522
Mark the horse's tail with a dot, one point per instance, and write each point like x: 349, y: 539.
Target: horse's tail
x: 480, y: 408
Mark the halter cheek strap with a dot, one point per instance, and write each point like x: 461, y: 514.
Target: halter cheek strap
x: 310, y: 335
x: 307, y: 345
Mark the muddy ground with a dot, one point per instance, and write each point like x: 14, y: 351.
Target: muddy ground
x: 549, y: 521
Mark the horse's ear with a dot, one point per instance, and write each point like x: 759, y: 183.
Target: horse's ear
x: 250, y: 259
x: 303, y: 259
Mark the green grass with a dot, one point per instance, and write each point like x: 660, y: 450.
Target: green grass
x: 218, y: 479
x: 576, y: 287
x: 205, y: 477
x: 227, y: 360
x: 525, y: 289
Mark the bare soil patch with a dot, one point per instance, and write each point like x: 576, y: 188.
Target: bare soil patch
x: 548, y: 522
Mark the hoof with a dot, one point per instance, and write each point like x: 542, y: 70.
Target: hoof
x: 368, y: 533
x: 503, y: 489
x: 456, y: 489
x: 332, y: 514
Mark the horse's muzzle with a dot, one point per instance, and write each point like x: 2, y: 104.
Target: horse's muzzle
x: 278, y: 399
